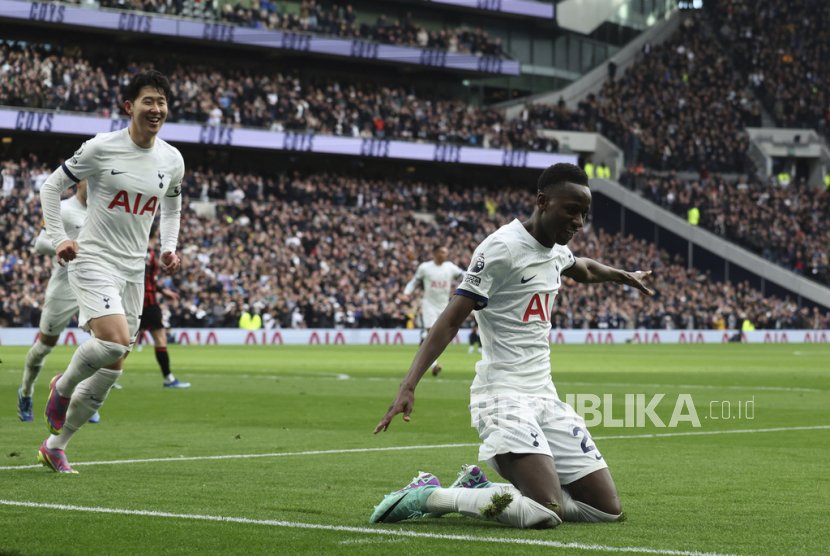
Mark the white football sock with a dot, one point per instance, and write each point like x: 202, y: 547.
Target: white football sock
x: 87, y: 359
x: 520, y: 512
x: 34, y: 364
x: 59, y: 442
x: 87, y: 398
x: 435, y: 364
x: 169, y: 378
x: 580, y: 511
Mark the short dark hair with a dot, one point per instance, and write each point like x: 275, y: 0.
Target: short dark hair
x: 560, y: 174
x: 149, y: 78
x: 437, y: 248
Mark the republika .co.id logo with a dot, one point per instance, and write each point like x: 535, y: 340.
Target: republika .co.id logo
x: 637, y: 411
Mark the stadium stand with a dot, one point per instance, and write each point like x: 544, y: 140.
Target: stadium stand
x: 325, y: 18
x: 782, y: 48
x: 38, y: 77
x: 785, y: 225
x: 681, y: 107
x: 677, y: 109
x: 337, y: 250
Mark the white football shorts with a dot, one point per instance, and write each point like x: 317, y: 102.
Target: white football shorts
x: 101, y: 293
x: 59, y: 305
x: 531, y: 425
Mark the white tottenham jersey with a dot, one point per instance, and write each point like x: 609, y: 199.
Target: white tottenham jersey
x: 514, y: 279
x: 437, y: 283
x: 125, y: 186
x: 73, y: 213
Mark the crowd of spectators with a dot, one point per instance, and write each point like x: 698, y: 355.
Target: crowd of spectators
x: 327, y: 18
x: 332, y: 250
x: 679, y: 107
x: 784, y: 223
x: 783, y: 49
x: 37, y: 77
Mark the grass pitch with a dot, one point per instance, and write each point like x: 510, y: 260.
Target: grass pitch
x: 741, y: 493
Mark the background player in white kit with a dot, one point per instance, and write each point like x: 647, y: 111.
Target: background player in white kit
x: 529, y: 436
x: 59, y: 306
x: 436, y: 277
x: 130, y: 174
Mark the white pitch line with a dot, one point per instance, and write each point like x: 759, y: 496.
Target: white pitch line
x: 698, y: 386
x: 245, y: 456
x: 699, y: 433
x: 396, y: 448
x: 343, y: 376
x: 367, y: 530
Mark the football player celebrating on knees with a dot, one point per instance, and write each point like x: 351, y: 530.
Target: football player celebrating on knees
x: 436, y: 277
x: 529, y: 436
x: 59, y: 305
x: 151, y: 318
x: 130, y: 173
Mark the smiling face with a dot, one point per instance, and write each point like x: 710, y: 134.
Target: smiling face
x: 148, y: 111
x: 563, y: 211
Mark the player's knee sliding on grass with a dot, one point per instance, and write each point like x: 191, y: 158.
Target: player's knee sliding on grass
x: 512, y: 283
x: 472, y: 495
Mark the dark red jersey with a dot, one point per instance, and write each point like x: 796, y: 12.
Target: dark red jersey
x: 150, y: 286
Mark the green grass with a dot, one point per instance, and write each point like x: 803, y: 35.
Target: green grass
x: 762, y: 493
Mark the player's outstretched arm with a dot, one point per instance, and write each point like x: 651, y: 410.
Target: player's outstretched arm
x: 588, y: 271
x: 441, y: 334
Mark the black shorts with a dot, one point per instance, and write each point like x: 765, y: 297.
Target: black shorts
x: 151, y: 318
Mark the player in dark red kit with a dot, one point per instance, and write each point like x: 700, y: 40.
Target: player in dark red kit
x: 151, y: 318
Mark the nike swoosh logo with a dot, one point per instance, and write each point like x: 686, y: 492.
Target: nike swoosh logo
x: 389, y: 511
x: 114, y: 173
x: 528, y: 280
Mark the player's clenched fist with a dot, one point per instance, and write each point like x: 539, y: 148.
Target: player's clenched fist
x: 170, y: 262
x: 67, y: 251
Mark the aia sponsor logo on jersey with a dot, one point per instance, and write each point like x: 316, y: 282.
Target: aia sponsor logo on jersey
x: 122, y: 199
x: 536, y: 308
x: 439, y: 285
